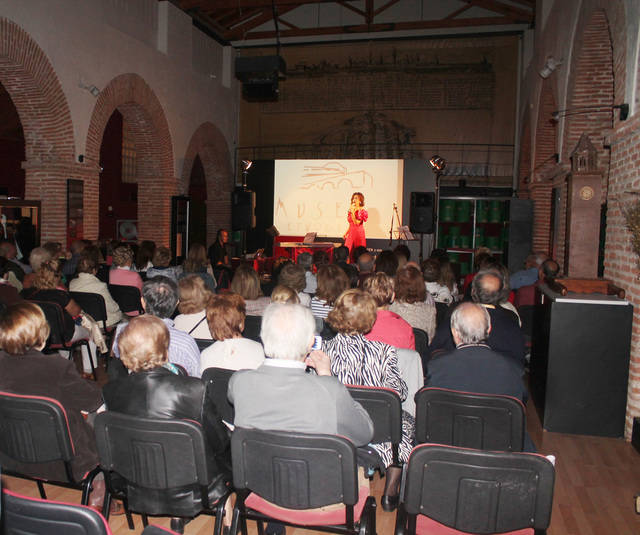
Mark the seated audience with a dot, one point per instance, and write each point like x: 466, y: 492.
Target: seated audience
x: 528, y: 275
x: 122, y: 272
x: 355, y: 360
x: 8, y: 293
x: 306, y: 261
x: 284, y: 294
x: 161, y: 261
x: 526, y: 295
x: 403, y: 254
x: 225, y: 316
x: 482, y: 259
x: 386, y: 262
x: 293, y: 276
x: 70, y: 266
x: 341, y: 259
x: 320, y: 258
x: 473, y: 366
x: 37, y: 256
x: 48, y: 286
x: 155, y: 389
x: 280, y: 395
x: 25, y: 370
x: 194, y: 296
x: 86, y: 281
x: 332, y: 281
x: 144, y: 256
x: 247, y: 284
x: 9, y: 251
x: 198, y: 264
x: 365, y: 263
x: 448, y: 277
x: 508, y: 296
x: 389, y: 327
x: 412, y: 303
x: 160, y: 298
x: 431, y: 276
x: 505, y: 336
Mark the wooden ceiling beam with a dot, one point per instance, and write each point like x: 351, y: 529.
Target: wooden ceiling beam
x: 384, y: 27
x: 244, y: 4
x: 515, y: 13
x: 385, y: 7
x: 352, y: 8
x: 241, y: 31
x: 458, y: 11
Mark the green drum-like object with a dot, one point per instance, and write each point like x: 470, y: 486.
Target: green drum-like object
x: 447, y: 210
x: 495, y: 211
x: 463, y: 211
x: 482, y: 211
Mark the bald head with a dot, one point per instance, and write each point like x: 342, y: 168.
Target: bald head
x: 486, y: 288
x: 470, y: 324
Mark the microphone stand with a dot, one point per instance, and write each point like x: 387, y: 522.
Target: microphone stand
x: 391, y: 227
x: 401, y: 235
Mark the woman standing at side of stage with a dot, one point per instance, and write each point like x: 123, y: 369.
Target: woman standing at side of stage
x: 354, y: 237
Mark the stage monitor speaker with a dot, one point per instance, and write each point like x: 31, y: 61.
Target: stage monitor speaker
x: 259, y: 76
x: 243, y: 209
x: 421, y: 220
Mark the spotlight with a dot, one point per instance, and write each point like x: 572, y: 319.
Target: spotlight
x: 550, y: 65
x: 246, y: 165
x: 437, y: 163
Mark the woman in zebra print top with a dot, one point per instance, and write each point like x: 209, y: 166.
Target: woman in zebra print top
x: 358, y: 361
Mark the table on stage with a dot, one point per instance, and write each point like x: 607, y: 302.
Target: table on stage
x: 293, y: 248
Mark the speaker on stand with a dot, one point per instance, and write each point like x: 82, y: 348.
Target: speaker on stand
x: 421, y: 214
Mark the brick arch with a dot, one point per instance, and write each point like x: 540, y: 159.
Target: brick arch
x: 592, y: 83
x: 34, y: 88
x: 138, y: 104
x: 210, y: 145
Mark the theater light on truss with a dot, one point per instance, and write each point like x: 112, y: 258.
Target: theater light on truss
x: 437, y: 163
x: 246, y: 165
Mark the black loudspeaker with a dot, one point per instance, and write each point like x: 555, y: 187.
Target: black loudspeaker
x: 421, y: 214
x: 259, y: 76
x: 243, y: 209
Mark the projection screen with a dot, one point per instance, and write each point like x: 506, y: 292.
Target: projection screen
x: 314, y: 195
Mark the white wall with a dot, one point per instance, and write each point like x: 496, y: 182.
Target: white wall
x: 97, y: 40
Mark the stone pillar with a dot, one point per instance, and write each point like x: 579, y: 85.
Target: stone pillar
x: 583, y: 213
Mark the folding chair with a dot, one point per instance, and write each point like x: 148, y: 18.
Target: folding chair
x: 23, y: 515
x: 94, y: 305
x: 480, y: 421
x: 146, y: 461
x: 453, y: 491
x: 286, y: 477
x: 35, y: 430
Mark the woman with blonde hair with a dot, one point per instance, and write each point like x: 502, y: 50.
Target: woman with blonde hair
x: 122, y: 272
x: 284, y: 294
x: 226, y: 315
x: 355, y: 360
x: 197, y: 263
x: 247, y: 284
x: 194, y: 296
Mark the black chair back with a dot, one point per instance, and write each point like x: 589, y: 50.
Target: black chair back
x: 93, y: 304
x: 216, y: 381
x: 54, y: 316
x: 468, y: 420
x: 23, y: 515
x: 422, y: 347
x: 477, y: 491
x: 442, y: 309
x: 252, y: 326
x: 203, y: 343
x: 295, y: 470
x: 385, y: 410
x: 127, y: 297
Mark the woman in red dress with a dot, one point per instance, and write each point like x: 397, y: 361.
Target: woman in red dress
x: 354, y: 237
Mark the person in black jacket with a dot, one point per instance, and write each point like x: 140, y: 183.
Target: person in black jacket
x: 156, y: 388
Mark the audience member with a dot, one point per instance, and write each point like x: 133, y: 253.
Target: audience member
x: 505, y: 336
x: 145, y: 255
x: 25, y: 370
x: 37, y: 256
x: 220, y: 259
x: 194, y: 297
x: 448, y: 277
x: 365, y: 263
x: 355, y: 360
x: 431, y: 275
x: 48, y: 287
x: 482, y: 259
x: 528, y: 275
x: 9, y: 251
x: 156, y: 389
x: 161, y: 261
x: 70, y: 266
x: 225, y: 316
x: 526, y: 295
x: 357, y: 251
x: 473, y: 366
x: 122, y: 272
x: 332, y: 281
x: 87, y: 282
x: 403, y: 254
x: 279, y: 395
x: 306, y: 261
x: 320, y: 258
x: 159, y: 298
x: 247, y: 284
x: 341, y: 259
x: 8, y: 293
x: 198, y: 264
x: 293, y: 276
x: 386, y: 262
x: 412, y: 302
x: 284, y: 294
x: 389, y: 327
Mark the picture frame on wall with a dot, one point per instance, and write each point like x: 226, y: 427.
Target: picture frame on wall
x: 127, y: 230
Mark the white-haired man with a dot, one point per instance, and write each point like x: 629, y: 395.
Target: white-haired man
x: 473, y: 366
x: 281, y: 395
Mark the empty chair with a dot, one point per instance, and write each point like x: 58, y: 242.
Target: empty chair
x: 451, y: 490
x: 128, y: 299
x: 464, y: 419
x: 22, y: 515
x: 159, y: 467
x: 285, y: 477
x: 35, y: 431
